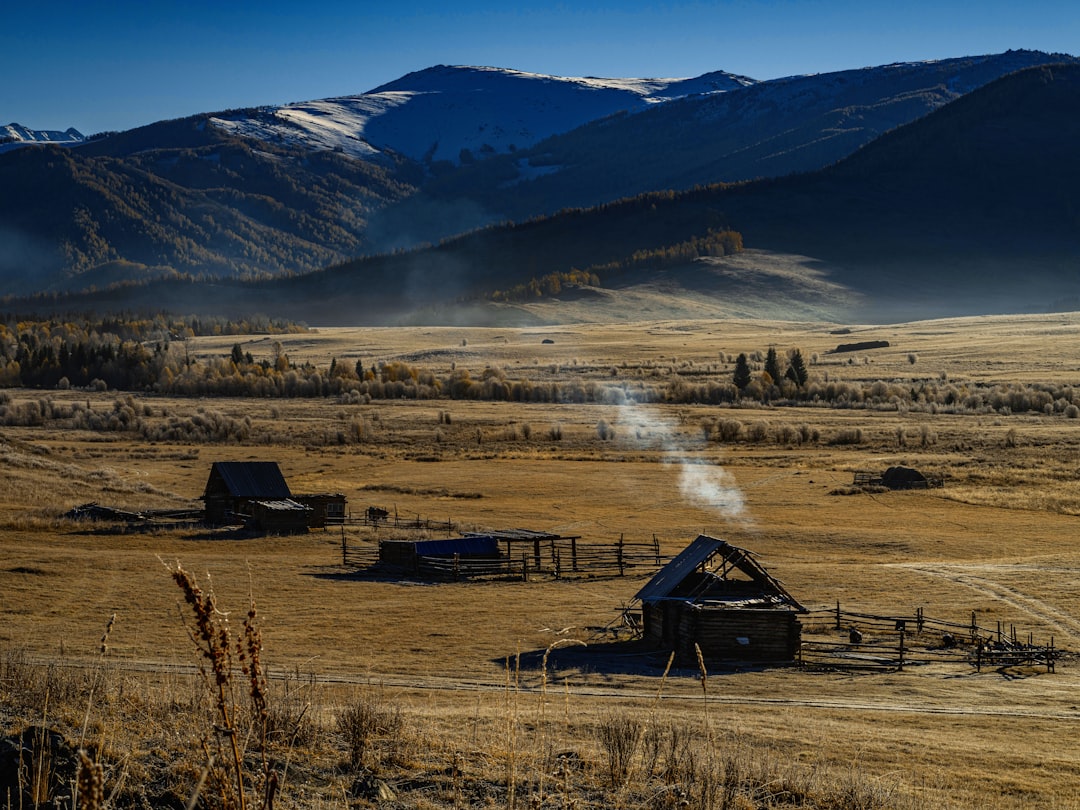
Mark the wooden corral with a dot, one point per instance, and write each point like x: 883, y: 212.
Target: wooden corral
x: 506, y: 552
x: 453, y: 558
x: 715, y: 597
x: 868, y: 641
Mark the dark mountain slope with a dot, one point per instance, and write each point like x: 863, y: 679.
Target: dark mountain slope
x: 770, y: 129
x: 971, y: 209
x: 180, y: 197
x: 978, y: 204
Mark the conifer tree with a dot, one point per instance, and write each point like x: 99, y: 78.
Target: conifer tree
x: 797, y: 370
x: 742, y: 372
x: 772, y: 365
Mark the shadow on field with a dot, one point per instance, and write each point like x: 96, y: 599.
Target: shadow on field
x: 604, y: 657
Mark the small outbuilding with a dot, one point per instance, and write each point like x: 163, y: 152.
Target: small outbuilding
x: 279, y: 517
x: 327, y: 508
x: 715, y: 597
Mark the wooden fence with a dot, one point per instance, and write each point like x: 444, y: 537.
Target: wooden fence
x: 570, y: 558
x: 560, y: 558
x: 384, y: 519
x: 459, y: 568
x: 898, y: 641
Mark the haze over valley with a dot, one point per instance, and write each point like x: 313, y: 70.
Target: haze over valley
x: 912, y: 190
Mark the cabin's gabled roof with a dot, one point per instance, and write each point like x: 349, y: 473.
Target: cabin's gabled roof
x: 260, y: 480
x: 710, y: 553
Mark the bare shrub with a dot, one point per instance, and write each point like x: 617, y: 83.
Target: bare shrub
x: 619, y: 735
x: 555, y: 432
x: 1071, y: 412
x: 926, y: 436
x: 847, y: 436
x: 729, y: 430
x: 758, y: 431
x: 786, y: 434
x: 371, y: 730
x: 604, y: 431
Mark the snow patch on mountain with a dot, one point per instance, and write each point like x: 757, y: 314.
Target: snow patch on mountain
x: 460, y: 113
x: 13, y: 136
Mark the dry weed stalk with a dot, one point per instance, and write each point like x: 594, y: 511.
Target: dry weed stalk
x: 511, y: 728
x: 90, y: 783
x: 545, y: 753
x: 211, y: 637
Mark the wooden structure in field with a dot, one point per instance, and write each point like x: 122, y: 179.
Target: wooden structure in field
x: 899, y: 477
x: 716, y: 597
x: 256, y: 494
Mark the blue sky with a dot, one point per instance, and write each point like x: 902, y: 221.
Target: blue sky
x: 117, y: 65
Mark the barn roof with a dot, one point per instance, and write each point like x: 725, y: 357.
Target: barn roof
x: 251, y: 479
x: 702, y: 552
x: 283, y: 505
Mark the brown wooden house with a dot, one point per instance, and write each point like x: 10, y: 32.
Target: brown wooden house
x: 255, y: 493
x: 716, y: 597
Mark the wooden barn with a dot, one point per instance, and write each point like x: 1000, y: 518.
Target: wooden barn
x: 716, y: 596
x: 255, y: 493
x: 234, y: 485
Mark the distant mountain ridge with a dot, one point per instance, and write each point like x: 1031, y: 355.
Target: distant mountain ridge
x: 269, y: 192
x: 12, y: 136
x: 971, y: 209
x: 768, y: 129
x: 460, y: 113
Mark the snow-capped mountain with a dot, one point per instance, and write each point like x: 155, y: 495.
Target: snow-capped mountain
x: 13, y: 136
x: 460, y: 113
x: 431, y: 155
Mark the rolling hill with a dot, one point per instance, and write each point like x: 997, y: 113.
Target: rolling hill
x: 971, y: 209
x: 252, y: 194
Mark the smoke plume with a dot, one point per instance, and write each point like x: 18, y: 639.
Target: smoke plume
x: 700, y: 481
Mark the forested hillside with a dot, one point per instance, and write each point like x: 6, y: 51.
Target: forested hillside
x: 182, y: 199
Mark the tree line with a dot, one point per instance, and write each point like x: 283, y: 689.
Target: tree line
x: 150, y: 355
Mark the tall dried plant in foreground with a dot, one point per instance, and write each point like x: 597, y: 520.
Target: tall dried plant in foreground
x: 213, y: 639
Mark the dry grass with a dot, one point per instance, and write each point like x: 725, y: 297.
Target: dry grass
x: 406, y: 683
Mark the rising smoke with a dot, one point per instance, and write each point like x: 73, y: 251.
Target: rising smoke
x: 700, y: 481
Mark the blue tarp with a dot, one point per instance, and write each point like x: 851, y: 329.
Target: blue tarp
x: 465, y: 546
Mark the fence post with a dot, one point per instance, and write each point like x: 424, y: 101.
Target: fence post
x: 974, y: 627
x: 901, y: 668
x: 525, y: 567
x: 919, y: 620
x: 837, y: 614
x: 457, y: 563
x: 978, y: 657
x: 1050, y: 656
x: 619, y: 553
x: 558, y: 565
x: 344, y: 550
x: 573, y: 553
x: 656, y: 549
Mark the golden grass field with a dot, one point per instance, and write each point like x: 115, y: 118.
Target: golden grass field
x: 999, y: 539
